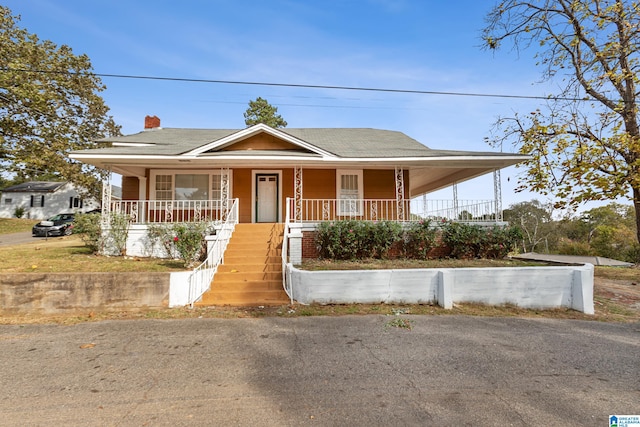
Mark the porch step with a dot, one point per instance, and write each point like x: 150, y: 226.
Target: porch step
x: 251, y: 274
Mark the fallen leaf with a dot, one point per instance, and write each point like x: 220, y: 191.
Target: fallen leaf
x: 90, y: 345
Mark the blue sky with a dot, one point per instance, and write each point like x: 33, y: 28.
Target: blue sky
x: 426, y: 45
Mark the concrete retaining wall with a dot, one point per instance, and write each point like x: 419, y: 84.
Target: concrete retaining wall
x: 527, y: 287
x: 67, y: 292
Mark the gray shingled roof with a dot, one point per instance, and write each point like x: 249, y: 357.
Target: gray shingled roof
x: 34, y: 187
x: 343, y: 142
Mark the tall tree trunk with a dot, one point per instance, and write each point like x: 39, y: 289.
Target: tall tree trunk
x: 636, y: 207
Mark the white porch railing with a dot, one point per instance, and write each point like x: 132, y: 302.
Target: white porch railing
x: 150, y: 211
x: 457, y: 210
x: 318, y: 210
x: 200, y: 279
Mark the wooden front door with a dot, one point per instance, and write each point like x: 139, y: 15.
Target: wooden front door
x: 266, y: 197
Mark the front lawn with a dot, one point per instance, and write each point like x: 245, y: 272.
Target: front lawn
x: 16, y: 225
x: 69, y: 254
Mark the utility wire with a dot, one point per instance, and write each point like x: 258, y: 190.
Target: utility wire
x: 295, y: 85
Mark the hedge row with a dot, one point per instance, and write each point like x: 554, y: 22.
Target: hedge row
x: 351, y: 239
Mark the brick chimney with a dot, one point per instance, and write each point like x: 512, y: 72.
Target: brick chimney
x: 151, y: 122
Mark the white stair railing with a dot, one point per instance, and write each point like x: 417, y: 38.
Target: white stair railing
x: 202, y: 276
x: 286, y: 285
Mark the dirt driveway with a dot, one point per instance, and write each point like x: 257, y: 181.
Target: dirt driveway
x: 625, y: 293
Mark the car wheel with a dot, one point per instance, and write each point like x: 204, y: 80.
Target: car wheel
x: 67, y: 231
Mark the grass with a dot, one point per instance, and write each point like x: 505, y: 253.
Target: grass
x: 16, y: 225
x: 609, y: 312
x: 68, y: 254
x: 631, y: 274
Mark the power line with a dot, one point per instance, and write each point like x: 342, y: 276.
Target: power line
x: 296, y: 85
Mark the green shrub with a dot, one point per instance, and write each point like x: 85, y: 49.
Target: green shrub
x: 89, y: 228
x: 162, y: 234
x: 113, y: 240
x: 181, y: 240
x: 632, y: 253
x: 498, y: 241
x: 463, y: 240
x: 351, y: 239
x: 381, y: 236
x: 339, y: 239
x: 189, y: 242
x: 418, y: 239
x: 116, y: 238
x: 19, y: 212
x: 570, y: 247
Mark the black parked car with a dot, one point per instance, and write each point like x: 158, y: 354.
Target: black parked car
x: 57, y: 225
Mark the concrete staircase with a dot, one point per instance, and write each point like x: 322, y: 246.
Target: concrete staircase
x: 251, y: 274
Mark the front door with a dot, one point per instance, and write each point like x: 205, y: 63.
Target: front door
x: 266, y: 197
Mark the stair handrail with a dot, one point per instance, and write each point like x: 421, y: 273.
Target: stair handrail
x: 202, y: 276
x: 285, y: 251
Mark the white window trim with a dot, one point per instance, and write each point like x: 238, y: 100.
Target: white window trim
x: 174, y: 172
x: 359, y: 207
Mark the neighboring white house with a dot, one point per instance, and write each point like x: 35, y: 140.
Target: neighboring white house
x: 43, y: 199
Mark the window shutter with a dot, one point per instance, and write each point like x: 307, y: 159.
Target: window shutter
x: 42, y: 201
x: 70, y: 202
x: 31, y: 204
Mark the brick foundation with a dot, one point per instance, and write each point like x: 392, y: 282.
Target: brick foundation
x: 309, y: 249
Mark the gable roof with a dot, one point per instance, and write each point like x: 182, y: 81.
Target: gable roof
x: 339, y: 142
x: 34, y: 187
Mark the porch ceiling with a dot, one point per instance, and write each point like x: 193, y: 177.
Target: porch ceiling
x: 427, y: 180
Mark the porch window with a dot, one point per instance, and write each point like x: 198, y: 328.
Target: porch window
x: 192, y: 187
x: 216, y: 187
x: 180, y: 186
x: 164, y: 187
x: 349, y: 192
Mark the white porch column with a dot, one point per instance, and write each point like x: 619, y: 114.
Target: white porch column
x: 497, y: 194
x: 455, y: 201
x: 106, y: 199
x: 400, y: 193
x: 142, y: 197
x: 224, y: 193
x: 297, y: 191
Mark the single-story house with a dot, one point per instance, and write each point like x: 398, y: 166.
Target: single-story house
x: 43, y: 199
x: 327, y: 173
x: 292, y: 176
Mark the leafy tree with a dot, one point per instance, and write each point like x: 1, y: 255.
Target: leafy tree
x: 535, y: 221
x: 260, y: 111
x: 49, y: 106
x: 585, y: 144
x: 610, y: 230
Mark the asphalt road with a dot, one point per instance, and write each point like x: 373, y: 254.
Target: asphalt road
x: 333, y: 371
x: 17, y: 238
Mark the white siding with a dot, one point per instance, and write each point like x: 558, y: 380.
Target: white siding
x: 54, y: 203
